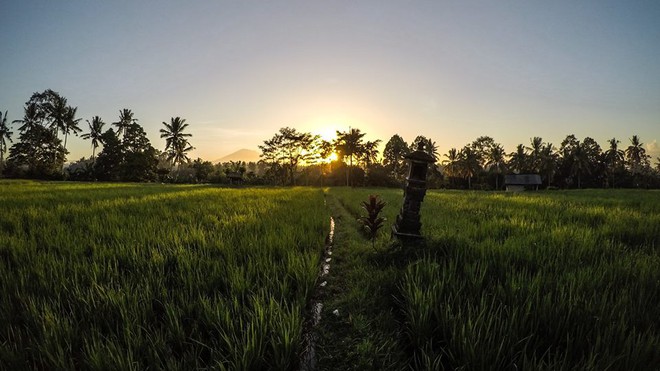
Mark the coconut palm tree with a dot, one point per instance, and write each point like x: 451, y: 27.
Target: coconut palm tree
x: 349, y: 144
x: 5, y: 134
x: 469, y: 164
x: 614, y: 158
x: 548, y: 162
x: 496, y: 162
x: 30, y: 119
x: 57, y: 111
x: 370, y: 152
x: 432, y: 148
x: 176, y: 143
x: 452, y: 164
x: 581, y: 164
x: 535, y: 153
x: 125, y: 120
x: 95, y: 133
x: 70, y: 123
x: 636, y: 155
x: 518, y: 160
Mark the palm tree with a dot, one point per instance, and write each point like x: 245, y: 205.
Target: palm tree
x: 548, y: 162
x: 469, y: 164
x: 535, y: 153
x: 70, y: 123
x: 370, y: 152
x: 57, y: 111
x: 518, y: 160
x: 125, y: 119
x: 452, y: 164
x: 95, y: 133
x: 614, y: 157
x: 636, y: 155
x: 349, y: 144
x: 175, y: 140
x: 30, y: 119
x: 4, y: 134
x: 495, y: 161
x: 432, y: 148
x: 581, y: 163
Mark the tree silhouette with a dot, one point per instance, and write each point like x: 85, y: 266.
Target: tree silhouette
x: 548, y: 162
x: 393, y: 154
x: 70, y: 123
x: 636, y: 155
x: 614, y: 159
x: 535, y: 159
x: 496, y: 162
x: 452, y: 165
x: 30, y: 117
x: 125, y: 119
x: 287, y: 149
x: 176, y: 142
x: 518, y: 160
x: 369, y: 152
x: 95, y: 133
x: 5, y: 134
x: 469, y: 164
x: 349, y: 144
x: 580, y: 162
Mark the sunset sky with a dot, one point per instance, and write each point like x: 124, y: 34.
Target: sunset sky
x: 237, y: 71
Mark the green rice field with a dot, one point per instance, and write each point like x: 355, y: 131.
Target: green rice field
x: 180, y: 277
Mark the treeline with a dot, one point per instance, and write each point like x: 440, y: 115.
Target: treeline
x: 291, y: 157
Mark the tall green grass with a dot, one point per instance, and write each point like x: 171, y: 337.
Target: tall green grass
x: 121, y: 276
x: 545, y: 280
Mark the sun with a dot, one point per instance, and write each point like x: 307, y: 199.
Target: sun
x: 327, y: 133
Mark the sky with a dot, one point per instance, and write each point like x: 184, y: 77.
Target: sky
x: 237, y: 71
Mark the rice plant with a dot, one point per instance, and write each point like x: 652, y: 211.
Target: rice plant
x: 121, y: 276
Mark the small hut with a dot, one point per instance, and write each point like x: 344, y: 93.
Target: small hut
x: 521, y: 182
x: 235, y: 178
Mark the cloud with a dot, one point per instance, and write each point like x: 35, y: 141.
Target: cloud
x: 653, y: 149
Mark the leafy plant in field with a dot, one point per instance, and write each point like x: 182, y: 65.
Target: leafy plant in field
x: 372, y: 222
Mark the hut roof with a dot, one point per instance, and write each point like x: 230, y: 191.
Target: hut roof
x: 522, y: 179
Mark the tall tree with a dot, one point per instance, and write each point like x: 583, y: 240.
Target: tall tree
x: 37, y: 154
x: 548, y: 162
x: 5, y: 134
x: 107, y: 165
x: 140, y: 160
x: 495, y: 162
x: 518, y: 160
x: 30, y: 117
x: 393, y: 154
x: 349, y: 143
x: 95, y: 133
x: 176, y: 142
x: 125, y: 119
x: 370, y: 152
x: 287, y: 149
x: 535, y: 154
x: 580, y: 162
x: 481, y: 147
x: 614, y: 160
x: 70, y: 123
x: 452, y: 165
x: 636, y: 155
x: 469, y: 164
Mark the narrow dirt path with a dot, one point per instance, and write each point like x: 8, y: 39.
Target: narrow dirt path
x: 358, y: 328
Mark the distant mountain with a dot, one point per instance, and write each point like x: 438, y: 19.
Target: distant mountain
x: 246, y: 155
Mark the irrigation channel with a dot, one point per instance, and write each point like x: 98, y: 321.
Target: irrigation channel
x: 308, y: 361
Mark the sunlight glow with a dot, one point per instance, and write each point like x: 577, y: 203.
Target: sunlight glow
x: 327, y: 133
